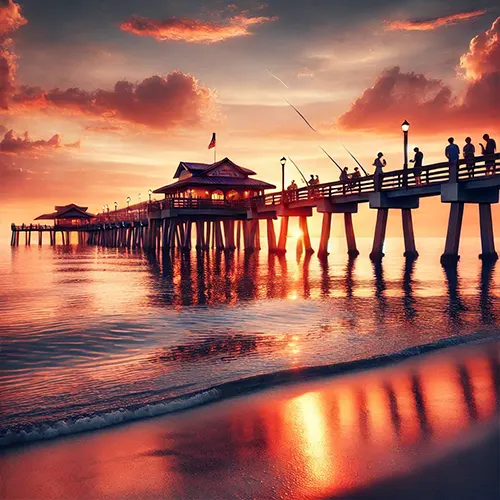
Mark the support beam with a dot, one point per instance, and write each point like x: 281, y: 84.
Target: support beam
x: 409, y: 236
x: 305, y: 235
x: 487, y: 240
x: 379, y: 238
x: 450, y: 255
x: 271, y: 236
x: 283, y: 235
x: 325, y: 235
x: 352, y: 249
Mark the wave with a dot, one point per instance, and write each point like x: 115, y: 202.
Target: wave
x: 225, y: 390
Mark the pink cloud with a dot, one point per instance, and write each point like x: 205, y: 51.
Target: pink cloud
x: 433, y: 23
x: 429, y: 104
x: 22, y: 144
x: 157, y: 102
x: 194, y: 30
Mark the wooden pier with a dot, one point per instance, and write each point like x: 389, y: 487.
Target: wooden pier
x: 229, y: 224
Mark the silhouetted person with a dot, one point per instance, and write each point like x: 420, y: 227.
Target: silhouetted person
x: 317, y: 179
x: 453, y: 154
x: 417, y: 168
x: 489, y: 151
x: 344, y: 178
x: 469, y: 152
x: 355, y: 179
x: 379, y: 164
x: 312, y: 180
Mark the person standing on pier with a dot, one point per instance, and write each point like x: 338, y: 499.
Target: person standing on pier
x: 489, y: 151
x: 417, y: 168
x: 379, y: 164
x: 469, y: 152
x: 453, y: 154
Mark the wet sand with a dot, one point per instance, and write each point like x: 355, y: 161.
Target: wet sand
x: 424, y: 428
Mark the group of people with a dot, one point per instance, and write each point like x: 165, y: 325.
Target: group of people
x: 488, y: 150
x: 452, y: 152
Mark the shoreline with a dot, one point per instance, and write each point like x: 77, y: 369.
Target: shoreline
x: 229, y: 390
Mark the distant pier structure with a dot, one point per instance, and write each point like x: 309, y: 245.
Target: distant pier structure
x: 222, y: 204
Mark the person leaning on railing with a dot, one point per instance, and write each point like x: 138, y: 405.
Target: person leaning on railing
x: 488, y: 151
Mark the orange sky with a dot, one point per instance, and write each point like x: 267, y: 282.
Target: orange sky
x: 114, y: 97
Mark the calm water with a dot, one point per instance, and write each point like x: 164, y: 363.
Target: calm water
x: 106, y: 335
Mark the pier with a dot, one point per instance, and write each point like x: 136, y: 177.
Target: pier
x: 222, y: 206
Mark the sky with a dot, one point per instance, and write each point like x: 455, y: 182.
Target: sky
x: 101, y: 99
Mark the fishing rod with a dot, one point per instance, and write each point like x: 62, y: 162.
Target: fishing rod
x: 338, y: 166
x: 301, y: 174
x: 302, y: 116
x: 354, y: 158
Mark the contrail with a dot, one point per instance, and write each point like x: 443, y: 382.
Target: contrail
x: 279, y: 79
x: 338, y: 166
x: 302, y: 116
x: 354, y: 158
x: 302, y: 175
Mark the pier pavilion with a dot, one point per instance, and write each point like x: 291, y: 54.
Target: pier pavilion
x: 224, y: 203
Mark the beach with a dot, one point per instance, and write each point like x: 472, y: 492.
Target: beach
x: 426, y: 427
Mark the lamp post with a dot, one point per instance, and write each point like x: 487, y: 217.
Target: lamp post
x: 404, y: 127
x: 139, y: 196
x: 128, y: 203
x: 116, y: 206
x: 283, y: 161
x: 150, y: 192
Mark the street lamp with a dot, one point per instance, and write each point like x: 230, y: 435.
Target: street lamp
x: 150, y: 192
x: 128, y: 202
x: 283, y: 161
x: 404, y: 127
x: 116, y: 206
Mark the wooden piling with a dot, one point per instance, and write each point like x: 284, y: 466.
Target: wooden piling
x: 271, y: 236
x: 450, y: 255
x: 488, y: 251
x: 379, y: 237
x: 408, y: 234
x: 325, y: 235
x: 352, y: 249
x: 305, y: 235
x: 283, y: 235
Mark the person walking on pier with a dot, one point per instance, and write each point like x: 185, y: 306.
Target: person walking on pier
x: 379, y: 165
x: 469, y: 152
x: 417, y: 168
x: 453, y: 154
x: 489, y: 151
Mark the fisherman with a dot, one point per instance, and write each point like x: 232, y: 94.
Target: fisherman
x: 469, y: 152
x: 344, y: 178
x: 489, y: 151
x: 379, y: 164
x: 317, y: 180
x: 355, y: 179
x: 452, y: 153
x: 312, y: 180
x: 417, y: 169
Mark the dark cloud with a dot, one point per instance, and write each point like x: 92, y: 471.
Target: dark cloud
x: 432, y: 23
x: 429, y: 104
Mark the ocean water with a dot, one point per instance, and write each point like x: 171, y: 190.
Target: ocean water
x: 91, y: 337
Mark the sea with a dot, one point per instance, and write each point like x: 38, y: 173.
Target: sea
x: 95, y: 337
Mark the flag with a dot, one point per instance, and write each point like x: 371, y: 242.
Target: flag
x: 212, y: 142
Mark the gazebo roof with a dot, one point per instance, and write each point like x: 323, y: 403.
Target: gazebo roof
x: 224, y: 174
x: 70, y: 211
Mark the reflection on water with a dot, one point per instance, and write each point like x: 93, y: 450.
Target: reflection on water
x: 81, y: 326
x: 313, y: 440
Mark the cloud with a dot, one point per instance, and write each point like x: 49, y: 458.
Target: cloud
x: 194, y: 30
x: 432, y: 23
x: 429, y: 104
x: 113, y: 129
x: 11, y: 19
x: 16, y: 144
x: 484, y: 53
x: 157, y: 102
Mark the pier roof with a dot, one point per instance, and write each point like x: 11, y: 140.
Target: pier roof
x: 70, y: 211
x: 224, y: 174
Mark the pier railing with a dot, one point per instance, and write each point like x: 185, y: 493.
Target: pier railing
x: 438, y: 173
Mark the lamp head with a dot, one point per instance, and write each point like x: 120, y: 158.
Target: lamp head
x: 150, y: 191
x: 116, y: 204
x: 283, y: 161
x: 405, y: 126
